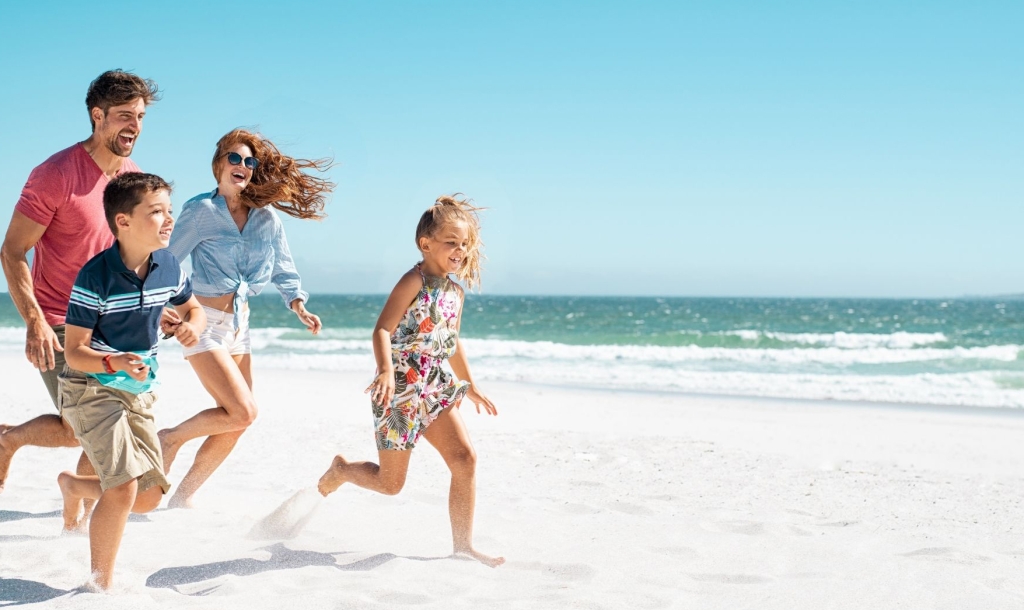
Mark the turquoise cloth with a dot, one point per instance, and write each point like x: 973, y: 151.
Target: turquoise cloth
x: 121, y: 381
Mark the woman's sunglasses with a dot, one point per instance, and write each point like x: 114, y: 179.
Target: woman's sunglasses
x: 236, y: 159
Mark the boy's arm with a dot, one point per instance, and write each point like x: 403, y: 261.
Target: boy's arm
x: 193, y: 322
x: 83, y: 358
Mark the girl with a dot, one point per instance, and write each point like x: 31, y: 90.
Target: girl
x: 412, y: 395
x: 237, y: 244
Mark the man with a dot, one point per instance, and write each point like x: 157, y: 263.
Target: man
x: 60, y: 214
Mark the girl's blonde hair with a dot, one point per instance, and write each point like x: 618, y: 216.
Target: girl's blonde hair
x: 279, y: 180
x: 449, y: 209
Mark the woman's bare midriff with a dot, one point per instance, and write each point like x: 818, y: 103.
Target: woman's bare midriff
x: 225, y: 302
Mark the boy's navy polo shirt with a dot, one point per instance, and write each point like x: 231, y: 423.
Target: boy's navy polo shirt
x: 123, y: 311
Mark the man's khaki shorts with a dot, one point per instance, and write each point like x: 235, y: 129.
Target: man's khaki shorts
x: 116, y: 430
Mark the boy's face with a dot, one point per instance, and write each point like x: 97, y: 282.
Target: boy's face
x: 150, y: 223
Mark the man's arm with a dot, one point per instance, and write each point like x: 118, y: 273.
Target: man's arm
x: 22, y: 236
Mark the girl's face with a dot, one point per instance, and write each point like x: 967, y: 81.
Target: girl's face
x: 445, y: 251
x: 233, y: 178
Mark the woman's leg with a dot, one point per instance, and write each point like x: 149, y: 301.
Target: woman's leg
x: 449, y: 436
x: 387, y: 478
x: 228, y: 379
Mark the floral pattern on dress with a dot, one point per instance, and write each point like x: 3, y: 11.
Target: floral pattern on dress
x: 420, y: 344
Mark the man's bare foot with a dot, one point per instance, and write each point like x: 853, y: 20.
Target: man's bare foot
x: 6, y: 453
x: 334, y: 477
x: 472, y: 553
x: 74, y: 523
x: 169, y: 451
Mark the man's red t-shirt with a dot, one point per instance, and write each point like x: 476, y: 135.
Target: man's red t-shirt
x: 65, y: 194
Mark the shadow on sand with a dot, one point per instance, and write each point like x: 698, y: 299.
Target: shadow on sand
x: 281, y: 558
x: 17, y: 515
x: 16, y: 592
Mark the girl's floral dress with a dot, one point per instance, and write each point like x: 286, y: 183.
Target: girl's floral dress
x: 424, y: 338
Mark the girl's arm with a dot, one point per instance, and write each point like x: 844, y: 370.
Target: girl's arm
x: 286, y: 278
x: 83, y: 358
x: 382, y: 390
x: 460, y: 366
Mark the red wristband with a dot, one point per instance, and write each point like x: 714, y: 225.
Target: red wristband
x: 106, y: 364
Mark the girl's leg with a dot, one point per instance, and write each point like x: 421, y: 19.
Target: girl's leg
x: 387, y: 478
x: 449, y: 436
x: 216, y: 448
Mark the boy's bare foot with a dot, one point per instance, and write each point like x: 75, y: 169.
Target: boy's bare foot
x: 6, y: 453
x: 472, y: 553
x: 169, y: 451
x: 73, y: 520
x: 334, y: 477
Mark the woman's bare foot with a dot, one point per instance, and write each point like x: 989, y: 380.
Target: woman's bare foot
x: 180, y: 500
x: 74, y: 522
x: 169, y: 450
x: 472, y: 553
x: 334, y: 477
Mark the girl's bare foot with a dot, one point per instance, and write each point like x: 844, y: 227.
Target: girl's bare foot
x: 334, y: 477
x: 472, y: 553
x: 169, y: 450
x: 74, y: 523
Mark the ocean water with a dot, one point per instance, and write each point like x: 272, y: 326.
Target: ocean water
x: 954, y: 352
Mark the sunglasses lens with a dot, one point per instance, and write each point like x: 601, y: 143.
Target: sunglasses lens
x: 234, y: 158
x: 252, y: 162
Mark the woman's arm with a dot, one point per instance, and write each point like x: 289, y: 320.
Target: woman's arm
x: 186, y: 236
x: 286, y: 278
x: 193, y: 321
x: 382, y: 390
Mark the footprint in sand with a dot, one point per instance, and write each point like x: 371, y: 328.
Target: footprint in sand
x: 749, y: 528
x: 580, y: 509
x: 679, y: 552
x: 568, y: 572
x: 631, y: 509
x: 732, y: 579
x: 947, y: 554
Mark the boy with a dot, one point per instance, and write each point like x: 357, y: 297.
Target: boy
x: 105, y: 392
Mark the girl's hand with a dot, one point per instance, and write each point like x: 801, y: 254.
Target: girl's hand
x: 131, y: 364
x: 310, y: 320
x: 382, y: 390
x: 479, y: 399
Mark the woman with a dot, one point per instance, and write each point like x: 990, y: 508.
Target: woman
x: 237, y: 244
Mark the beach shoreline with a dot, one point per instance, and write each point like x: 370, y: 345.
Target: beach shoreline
x: 599, y: 499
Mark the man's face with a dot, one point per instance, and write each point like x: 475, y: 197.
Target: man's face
x: 120, y: 126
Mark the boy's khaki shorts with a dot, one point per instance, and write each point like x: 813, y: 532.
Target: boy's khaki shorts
x: 116, y: 430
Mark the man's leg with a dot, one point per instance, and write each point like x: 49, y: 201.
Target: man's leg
x: 42, y: 431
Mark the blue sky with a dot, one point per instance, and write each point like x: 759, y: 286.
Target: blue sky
x: 681, y: 148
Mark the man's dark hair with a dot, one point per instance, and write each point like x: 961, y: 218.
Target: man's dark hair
x: 116, y: 87
x: 127, y: 191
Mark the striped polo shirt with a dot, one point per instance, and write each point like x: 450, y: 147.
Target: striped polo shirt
x: 123, y: 311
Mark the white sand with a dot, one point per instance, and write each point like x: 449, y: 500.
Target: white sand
x: 598, y: 500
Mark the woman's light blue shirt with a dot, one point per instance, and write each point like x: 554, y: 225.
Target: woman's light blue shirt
x: 226, y: 260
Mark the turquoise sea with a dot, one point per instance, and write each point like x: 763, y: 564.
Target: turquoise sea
x: 962, y: 352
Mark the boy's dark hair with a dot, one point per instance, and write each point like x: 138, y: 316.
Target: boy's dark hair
x: 126, y: 191
x: 116, y: 87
